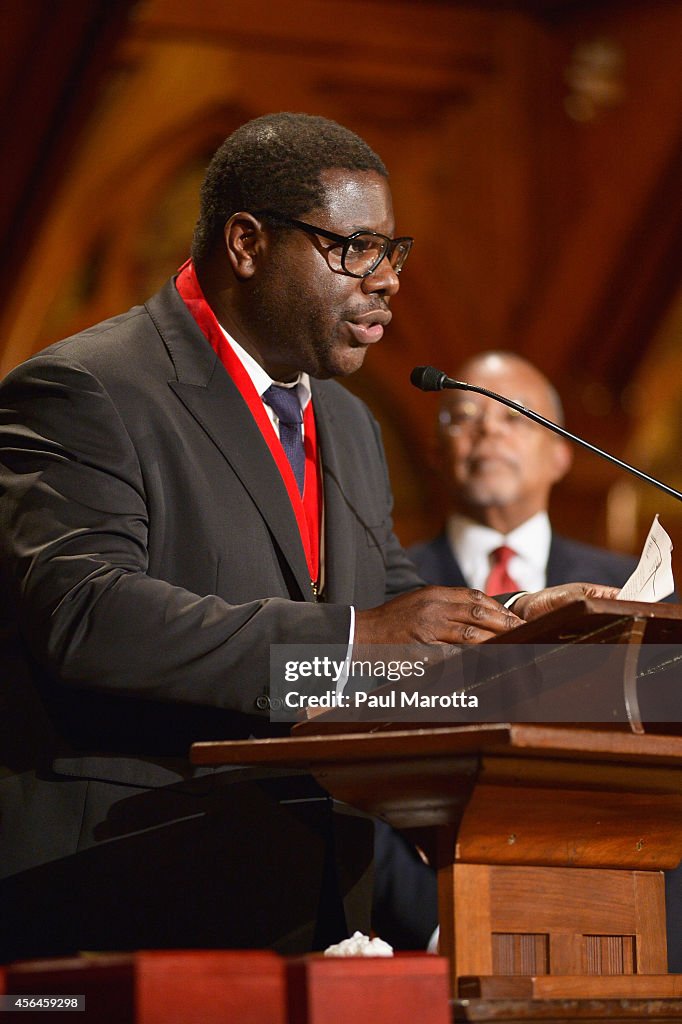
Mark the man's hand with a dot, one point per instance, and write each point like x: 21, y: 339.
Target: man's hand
x: 435, y: 615
x: 531, y: 606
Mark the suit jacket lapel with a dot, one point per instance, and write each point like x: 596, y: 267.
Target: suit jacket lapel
x: 566, y: 563
x: 339, y: 546
x: 210, y: 395
x: 445, y: 564
x: 562, y: 565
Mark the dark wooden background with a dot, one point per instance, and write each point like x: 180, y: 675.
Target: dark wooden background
x: 535, y: 150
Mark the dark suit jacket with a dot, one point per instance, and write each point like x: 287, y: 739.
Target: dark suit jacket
x: 149, y: 557
x: 569, y: 562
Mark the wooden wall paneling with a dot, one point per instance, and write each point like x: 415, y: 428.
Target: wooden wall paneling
x: 465, y: 177
x: 54, y: 62
x: 619, y: 160
x: 614, y: 265
x: 137, y: 136
x: 544, y: 224
x: 167, y: 76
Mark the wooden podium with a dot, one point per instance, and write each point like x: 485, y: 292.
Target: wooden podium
x: 550, y: 840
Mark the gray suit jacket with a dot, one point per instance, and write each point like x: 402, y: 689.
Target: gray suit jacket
x: 149, y: 557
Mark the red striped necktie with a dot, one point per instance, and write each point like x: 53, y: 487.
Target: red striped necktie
x: 499, y: 581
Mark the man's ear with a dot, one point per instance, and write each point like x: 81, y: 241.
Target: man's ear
x: 244, y: 242
x: 562, y: 458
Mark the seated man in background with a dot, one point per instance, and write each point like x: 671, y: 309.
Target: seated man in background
x: 499, y: 468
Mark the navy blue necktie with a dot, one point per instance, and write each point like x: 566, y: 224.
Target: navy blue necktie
x: 287, y: 408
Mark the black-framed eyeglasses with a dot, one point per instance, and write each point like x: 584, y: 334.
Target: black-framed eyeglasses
x: 464, y: 417
x: 361, y: 252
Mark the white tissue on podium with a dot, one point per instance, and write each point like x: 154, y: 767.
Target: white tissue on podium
x: 360, y: 945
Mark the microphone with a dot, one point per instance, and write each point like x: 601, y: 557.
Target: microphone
x: 428, y: 378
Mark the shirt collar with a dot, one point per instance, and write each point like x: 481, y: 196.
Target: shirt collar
x: 531, y: 540
x: 262, y: 380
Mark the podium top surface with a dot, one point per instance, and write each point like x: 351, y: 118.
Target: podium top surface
x: 595, y: 620
x: 386, y: 743
x: 319, y: 741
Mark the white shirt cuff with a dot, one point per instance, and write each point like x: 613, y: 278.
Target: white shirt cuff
x: 343, y: 678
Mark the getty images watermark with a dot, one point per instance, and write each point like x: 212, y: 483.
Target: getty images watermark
x: 492, y: 682
x: 361, y: 683
x: 312, y: 678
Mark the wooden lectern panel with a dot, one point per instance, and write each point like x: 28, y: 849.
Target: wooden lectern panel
x: 559, y: 921
x: 425, y: 778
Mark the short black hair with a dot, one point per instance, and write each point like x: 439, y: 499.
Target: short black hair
x: 274, y: 163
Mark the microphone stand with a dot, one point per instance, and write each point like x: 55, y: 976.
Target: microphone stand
x: 428, y: 378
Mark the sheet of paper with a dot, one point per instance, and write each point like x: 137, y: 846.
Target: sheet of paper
x: 652, y: 580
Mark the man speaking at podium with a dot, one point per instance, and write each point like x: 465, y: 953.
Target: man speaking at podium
x: 181, y: 487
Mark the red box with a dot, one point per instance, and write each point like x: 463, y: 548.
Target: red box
x: 160, y: 987
x: 402, y: 989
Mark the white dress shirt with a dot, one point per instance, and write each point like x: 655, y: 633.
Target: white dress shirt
x: 472, y: 545
x: 262, y: 381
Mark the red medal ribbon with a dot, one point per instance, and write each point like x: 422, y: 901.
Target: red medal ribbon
x: 306, y: 509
